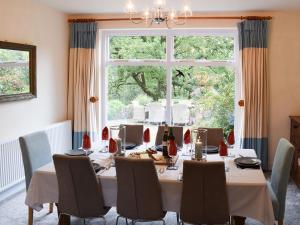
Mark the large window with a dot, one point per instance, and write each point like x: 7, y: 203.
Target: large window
x: 183, y: 77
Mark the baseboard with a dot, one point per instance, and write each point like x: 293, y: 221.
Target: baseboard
x: 12, y: 191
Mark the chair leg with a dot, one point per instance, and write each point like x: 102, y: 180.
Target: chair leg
x: 83, y: 221
x: 126, y: 221
x: 280, y: 222
x: 117, y: 220
x: 177, y: 218
x: 164, y: 223
x: 102, y: 217
x: 30, y: 216
x: 64, y: 219
x: 238, y: 220
x: 50, y: 207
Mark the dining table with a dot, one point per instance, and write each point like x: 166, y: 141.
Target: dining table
x: 247, y: 189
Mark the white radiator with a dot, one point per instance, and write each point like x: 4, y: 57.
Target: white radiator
x: 11, y: 164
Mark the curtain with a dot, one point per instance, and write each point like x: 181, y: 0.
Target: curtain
x: 253, y: 41
x: 83, y: 81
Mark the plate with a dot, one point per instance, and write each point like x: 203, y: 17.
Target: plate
x: 247, y: 161
x: 77, y: 153
x: 210, y: 149
x: 158, y: 148
x: 130, y: 145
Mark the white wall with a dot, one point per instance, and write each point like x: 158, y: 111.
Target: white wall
x: 284, y: 64
x: 31, y: 22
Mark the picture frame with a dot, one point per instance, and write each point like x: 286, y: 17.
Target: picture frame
x: 17, y: 71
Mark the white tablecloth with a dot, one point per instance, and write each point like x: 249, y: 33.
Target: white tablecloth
x: 247, y: 188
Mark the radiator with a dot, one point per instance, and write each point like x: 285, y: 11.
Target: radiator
x: 11, y: 164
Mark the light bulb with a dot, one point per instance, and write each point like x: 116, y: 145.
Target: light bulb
x: 130, y: 6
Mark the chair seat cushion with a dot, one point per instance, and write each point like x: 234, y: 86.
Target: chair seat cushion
x: 274, y: 199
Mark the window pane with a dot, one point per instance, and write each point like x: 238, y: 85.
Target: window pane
x: 204, y: 47
x: 137, y: 47
x: 136, y: 94
x: 205, y: 96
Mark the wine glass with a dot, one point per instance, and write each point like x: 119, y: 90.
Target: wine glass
x: 223, y: 152
x: 172, y: 153
x: 230, y: 143
x: 112, y: 149
x: 146, y: 137
x: 187, y: 143
x: 86, y: 143
x: 105, y: 137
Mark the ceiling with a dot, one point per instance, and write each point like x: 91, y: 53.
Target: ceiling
x: 117, y: 6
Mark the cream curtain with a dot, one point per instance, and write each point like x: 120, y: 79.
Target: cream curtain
x: 83, y: 106
x: 253, y: 41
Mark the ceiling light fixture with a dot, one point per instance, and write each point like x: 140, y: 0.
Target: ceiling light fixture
x: 158, y: 14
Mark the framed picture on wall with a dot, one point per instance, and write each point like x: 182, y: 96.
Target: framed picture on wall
x: 17, y: 71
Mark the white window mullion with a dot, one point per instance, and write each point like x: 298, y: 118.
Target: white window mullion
x: 104, y: 80
x: 169, y: 55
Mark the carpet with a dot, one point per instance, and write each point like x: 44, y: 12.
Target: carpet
x: 13, y: 211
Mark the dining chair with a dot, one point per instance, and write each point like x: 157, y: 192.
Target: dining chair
x: 204, y: 197
x: 79, y: 190
x: 156, y: 112
x: 134, y: 133
x: 280, y: 177
x: 36, y: 152
x: 214, y: 136
x: 178, y: 133
x: 180, y: 114
x: 139, y: 192
x: 139, y: 113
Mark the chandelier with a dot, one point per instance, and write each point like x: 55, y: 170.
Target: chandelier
x: 158, y: 14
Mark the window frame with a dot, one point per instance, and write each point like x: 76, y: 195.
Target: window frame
x: 169, y: 62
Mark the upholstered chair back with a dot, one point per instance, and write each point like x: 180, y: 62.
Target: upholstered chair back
x: 80, y: 192
x: 204, y: 194
x: 36, y: 152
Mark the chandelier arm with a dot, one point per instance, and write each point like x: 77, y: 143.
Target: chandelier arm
x: 180, y: 23
x: 167, y: 23
x: 139, y: 22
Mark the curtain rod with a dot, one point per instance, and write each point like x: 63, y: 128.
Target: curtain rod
x: 189, y: 18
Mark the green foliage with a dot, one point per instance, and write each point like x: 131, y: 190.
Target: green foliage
x: 143, y: 99
x: 204, y: 47
x: 115, y: 109
x: 14, y: 72
x: 211, y: 89
x: 137, y: 47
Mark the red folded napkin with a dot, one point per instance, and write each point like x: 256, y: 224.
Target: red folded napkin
x: 172, y: 148
x: 112, y: 146
x: 230, y: 138
x: 105, y: 134
x: 147, y: 135
x: 187, y: 137
x: 223, y: 149
x: 86, y: 142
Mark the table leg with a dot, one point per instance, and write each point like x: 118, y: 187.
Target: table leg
x: 238, y: 220
x: 64, y: 219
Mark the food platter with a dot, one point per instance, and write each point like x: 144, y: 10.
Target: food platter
x: 157, y: 157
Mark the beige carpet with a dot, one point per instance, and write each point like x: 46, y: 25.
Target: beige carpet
x: 14, y: 212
